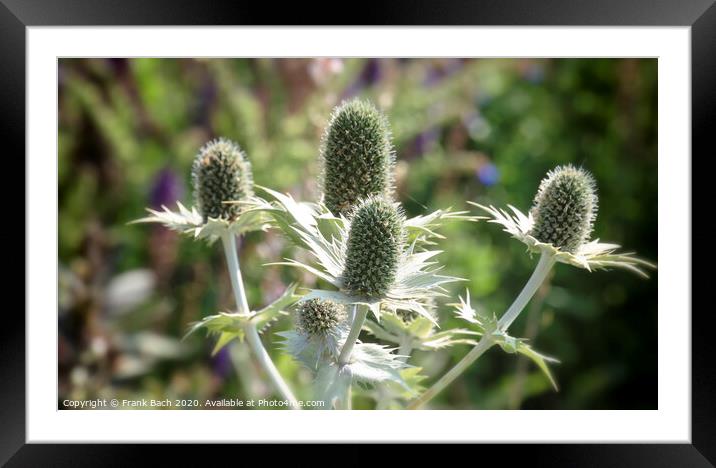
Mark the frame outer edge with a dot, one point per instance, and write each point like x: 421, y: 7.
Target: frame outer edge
x: 12, y: 94
x: 12, y: 330
x: 396, y: 12
x: 703, y: 115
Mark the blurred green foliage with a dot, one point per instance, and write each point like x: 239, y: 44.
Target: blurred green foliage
x: 485, y: 130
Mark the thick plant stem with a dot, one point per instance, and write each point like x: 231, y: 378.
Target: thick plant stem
x: 359, y: 314
x: 264, y: 360
x: 405, y: 348
x: 545, y: 264
x: 252, y: 336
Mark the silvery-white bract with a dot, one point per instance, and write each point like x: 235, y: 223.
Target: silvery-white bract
x: 592, y: 255
x: 190, y: 222
x: 325, y: 236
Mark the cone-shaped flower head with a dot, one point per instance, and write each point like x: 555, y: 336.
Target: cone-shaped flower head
x: 375, y: 244
x: 565, y: 208
x: 221, y: 172
x: 357, y: 156
x: 318, y: 317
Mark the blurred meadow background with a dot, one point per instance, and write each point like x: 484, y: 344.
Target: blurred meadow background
x: 485, y: 130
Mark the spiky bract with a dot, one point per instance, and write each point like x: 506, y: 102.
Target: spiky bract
x: 221, y: 172
x: 565, y: 208
x: 357, y: 156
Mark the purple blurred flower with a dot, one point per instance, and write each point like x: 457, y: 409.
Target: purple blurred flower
x: 426, y: 140
x: 437, y: 73
x: 371, y: 74
x: 221, y: 362
x: 167, y: 188
x: 488, y: 174
x: 120, y: 65
x: 204, y: 103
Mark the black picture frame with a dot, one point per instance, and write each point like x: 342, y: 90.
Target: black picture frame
x: 16, y: 15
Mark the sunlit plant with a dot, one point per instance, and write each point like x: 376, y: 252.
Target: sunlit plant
x: 382, y: 282
x: 221, y: 172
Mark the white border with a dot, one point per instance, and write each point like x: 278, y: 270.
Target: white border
x: 671, y: 422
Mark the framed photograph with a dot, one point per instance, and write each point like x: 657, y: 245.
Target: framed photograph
x: 467, y: 223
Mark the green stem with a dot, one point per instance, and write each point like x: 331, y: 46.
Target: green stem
x: 485, y: 343
x: 252, y: 335
x: 237, y: 282
x: 405, y: 348
x: 359, y: 314
x: 530, y: 333
x: 545, y: 264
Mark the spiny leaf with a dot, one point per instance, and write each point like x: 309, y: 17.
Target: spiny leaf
x: 332, y: 383
x: 227, y: 326
x: 269, y: 314
x: 380, y: 332
x: 225, y: 338
x: 540, y: 360
x: 372, y: 363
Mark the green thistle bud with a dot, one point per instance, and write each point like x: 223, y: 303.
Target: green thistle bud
x: 375, y: 244
x: 221, y: 172
x: 565, y: 208
x: 318, y: 317
x: 357, y: 156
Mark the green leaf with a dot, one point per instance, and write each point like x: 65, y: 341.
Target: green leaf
x: 539, y: 359
x: 227, y: 326
x: 393, y: 324
x: 412, y: 383
x: 380, y: 332
x: 421, y: 327
x: 269, y: 314
x: 514, y: 345
x: 225, y: 338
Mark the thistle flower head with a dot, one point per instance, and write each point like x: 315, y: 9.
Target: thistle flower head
x: 375, y: 244
x: 318, y: 317
x: 221, y: 172
x: 357, y: 156
x: 565, y: 208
